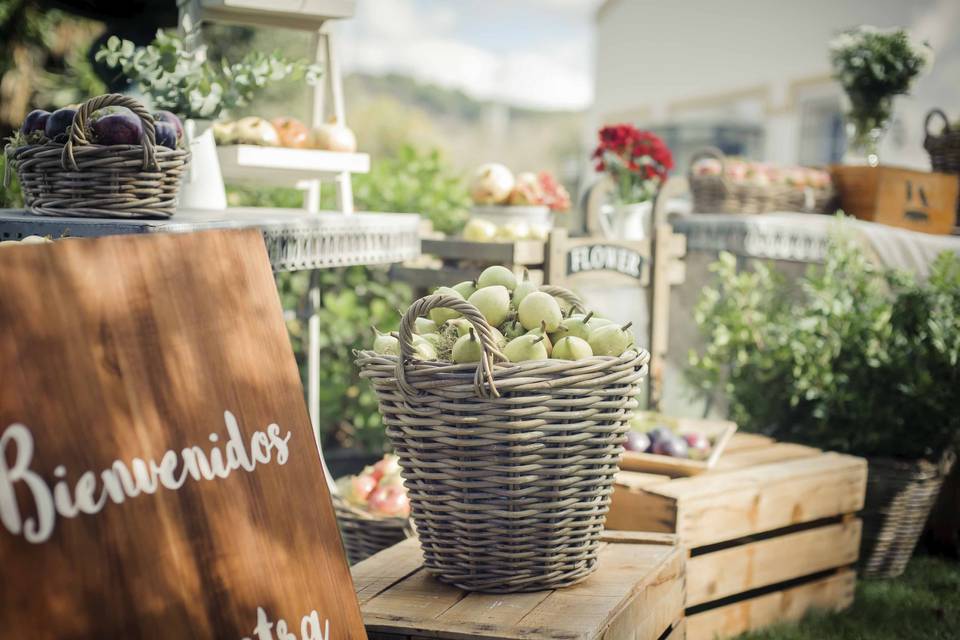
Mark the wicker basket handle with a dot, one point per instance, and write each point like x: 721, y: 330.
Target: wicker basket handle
x: 936, y: 112
x: 78, y: 130
x: 709, y: 152
x: 483, y: 380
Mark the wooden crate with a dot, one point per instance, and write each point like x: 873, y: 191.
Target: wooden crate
x: 637, y: 592
x: 770, y: 531
x: 915, y: 200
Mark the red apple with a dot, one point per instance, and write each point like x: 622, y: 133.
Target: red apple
x: 390, y: 501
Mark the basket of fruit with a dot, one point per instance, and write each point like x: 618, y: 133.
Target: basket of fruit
x: 108, y: 159
x: 675, y: 446
x: 373, y: 511
x: 732, y: 185
x: 509, y: 419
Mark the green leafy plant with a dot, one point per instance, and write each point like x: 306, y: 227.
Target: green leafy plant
x: 874, y: 65
x: 181, y: 79
x: 855, y: 359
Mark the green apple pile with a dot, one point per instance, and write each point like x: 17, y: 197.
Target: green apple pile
x: 528, y: 324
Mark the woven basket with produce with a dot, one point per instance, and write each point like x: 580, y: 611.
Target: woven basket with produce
x: 373, y: 511
x: 944, y: 148
x: 108, y: 159
x: 509, y: 420
x: 732, y: 185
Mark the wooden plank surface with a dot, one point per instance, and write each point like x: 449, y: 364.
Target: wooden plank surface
x: 638, y: 584
x: 833, y: 593
x: 519, y: 252
x: 776, y: 452
x: 725, y: 506
x: 139, y: 352
x: 718, y: 574
x: 741, y: 441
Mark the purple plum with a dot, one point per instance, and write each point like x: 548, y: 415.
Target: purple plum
x: 36, y: 120
x: 171, y: 119
x: 166, y: 135
x: 674, y: 447
x: 57, y: 124
x: 698, y: 444
x: 637, y: 441
x: 659, y: 433
x: 117, y: 128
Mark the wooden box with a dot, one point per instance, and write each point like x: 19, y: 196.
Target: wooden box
x: 637, y: 592
x: 914, y: 200
x: 770, y: 531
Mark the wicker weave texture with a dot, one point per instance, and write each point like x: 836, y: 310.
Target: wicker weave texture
x: 944, y: 148
x: 509, y: 466
x: 900, y: 495
x: 720, y: 194
x: 364, y: 534
x: 81, y: 179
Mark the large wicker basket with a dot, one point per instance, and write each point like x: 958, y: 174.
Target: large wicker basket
x: 719, y: 194
x: 81, y: 179
x: 509, y: 466
x: 944, y: 149
x: 900, y: 495
x: 365, y: 534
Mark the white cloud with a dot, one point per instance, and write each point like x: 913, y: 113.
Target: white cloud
x: 394, y: 36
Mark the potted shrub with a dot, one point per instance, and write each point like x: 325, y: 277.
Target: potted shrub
x: 851, y: 358
x: 179, y: 78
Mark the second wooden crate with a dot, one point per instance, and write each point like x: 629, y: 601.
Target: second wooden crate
x: 771, y: 532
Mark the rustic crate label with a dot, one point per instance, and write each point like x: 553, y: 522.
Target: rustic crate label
x: 158, y: 473
x: 605, y: 257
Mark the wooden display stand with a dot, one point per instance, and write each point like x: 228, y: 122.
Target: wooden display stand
x: 636, y: 593
x: 771, y: 532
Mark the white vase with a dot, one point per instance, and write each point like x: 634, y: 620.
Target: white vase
x: 626, y: 221
x: 202, y: 186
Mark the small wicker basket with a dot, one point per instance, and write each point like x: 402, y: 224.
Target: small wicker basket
x: 900, y: 495
x: 81, y: 179
x: 944, y: 149
x: 509, y: 466
x: 720, y: 194
x: 365, y: 534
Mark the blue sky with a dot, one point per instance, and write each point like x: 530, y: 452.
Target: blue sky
x: 534, y: 53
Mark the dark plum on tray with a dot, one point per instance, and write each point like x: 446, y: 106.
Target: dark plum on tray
x: 637, y: 441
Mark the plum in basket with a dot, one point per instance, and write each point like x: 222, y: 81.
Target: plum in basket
x: 57, y: 124
x: 117, y: 128
x: 36, y: 120
x: 166, y: 135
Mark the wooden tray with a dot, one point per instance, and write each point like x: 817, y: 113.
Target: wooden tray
x: 719, y: 432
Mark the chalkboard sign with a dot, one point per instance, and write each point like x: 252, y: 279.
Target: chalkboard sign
x: 605, y: 257
x: 158, y: 473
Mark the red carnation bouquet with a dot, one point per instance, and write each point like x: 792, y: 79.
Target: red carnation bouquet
x: 638, y: 161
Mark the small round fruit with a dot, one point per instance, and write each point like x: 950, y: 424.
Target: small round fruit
x: 293, y: 134
x: 539, y: 307
x: 386, y: 345
x: 433, y: 338
x: 166, y: 135
x: 574, y: 326
x: 117, y: 128
x: 36, y: 120
x: 493, y: 302
x: 477, y: 230
x: 424, y: 325
x: 171, y: 119
x: 462, y: 325
x: 698, y: 444
x: 540, y: 331
x: 491, y: 184
x: 610, y: 340
x: 441, y: 314
x: 467, y: 349
x: 637, y: 441
x: 571, y: 348
x: 660, y: 433
x: 526, y: 347
x: 465, y: 288
x: 423, y: 349
x: 498, y: 338
x: 513, y: 329
x: 57, y: 124
x: 524, y: 288
x: 596, y: 322
x: 674, y: 447
x: 497, y: 275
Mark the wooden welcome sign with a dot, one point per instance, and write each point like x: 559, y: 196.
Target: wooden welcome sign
x: 158, y: 473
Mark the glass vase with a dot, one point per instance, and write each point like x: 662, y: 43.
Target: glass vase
x: 865, y: 128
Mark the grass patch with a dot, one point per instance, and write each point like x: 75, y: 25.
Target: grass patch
x: 923, y: 603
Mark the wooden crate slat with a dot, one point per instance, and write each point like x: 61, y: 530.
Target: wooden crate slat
x: 833, y: 593
x: 763, y: 455
x: 520, y: 252
x: 719, y: 574
x: 637, y: 592
x: 741, y: 441
x: 399, y: 561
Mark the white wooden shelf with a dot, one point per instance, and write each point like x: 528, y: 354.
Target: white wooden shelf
x: 289, y: 14
x: 279, y: 166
